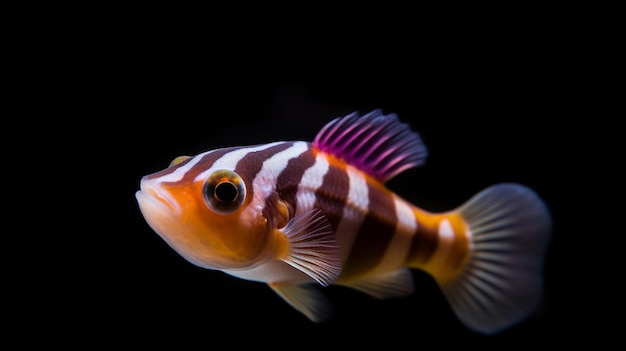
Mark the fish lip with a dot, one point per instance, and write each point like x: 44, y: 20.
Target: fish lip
x: 152, y: 193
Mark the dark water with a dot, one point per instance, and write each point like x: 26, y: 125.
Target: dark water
x: 475, y: 139
x: 483, y: 122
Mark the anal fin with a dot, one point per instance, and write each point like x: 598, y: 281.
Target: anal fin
x: 398, y: 283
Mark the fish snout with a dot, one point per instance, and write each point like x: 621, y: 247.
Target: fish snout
x: 152, y: 195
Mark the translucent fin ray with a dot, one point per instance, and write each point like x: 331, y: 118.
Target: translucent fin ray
x: 313, y: 247
x: 395, y: 284
x: 377, y: 144
x: 305, y: 298
x: 503, y: 280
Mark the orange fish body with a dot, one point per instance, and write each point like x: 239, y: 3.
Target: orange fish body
x: 299, y: 215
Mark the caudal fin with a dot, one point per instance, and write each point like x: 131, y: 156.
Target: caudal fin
x: 502, y: 282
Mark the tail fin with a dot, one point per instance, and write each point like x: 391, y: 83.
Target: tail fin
x: 503, y: 281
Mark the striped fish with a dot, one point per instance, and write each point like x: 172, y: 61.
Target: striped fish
x: 301, y: 215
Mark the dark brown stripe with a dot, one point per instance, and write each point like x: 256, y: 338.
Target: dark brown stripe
x: 375, y: 234
x: 424, y: 243
x: 288, y: 181
x: 332, y: 194
x: 251, y: 164
x: 270, y: 210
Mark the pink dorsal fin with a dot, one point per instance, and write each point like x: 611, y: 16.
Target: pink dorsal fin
x: 377, y: 144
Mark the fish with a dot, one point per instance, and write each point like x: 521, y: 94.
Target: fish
x: 300, y: 216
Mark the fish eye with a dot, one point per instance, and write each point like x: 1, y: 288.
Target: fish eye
x: 224, y: 191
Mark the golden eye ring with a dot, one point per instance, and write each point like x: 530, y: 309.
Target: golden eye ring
x: 224, y: 191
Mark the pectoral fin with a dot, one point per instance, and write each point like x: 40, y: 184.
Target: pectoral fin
x: 305, y: 298
x: 312, y: 247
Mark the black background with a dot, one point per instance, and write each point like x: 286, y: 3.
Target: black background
x: 482, y: 127
x: 488, y: 100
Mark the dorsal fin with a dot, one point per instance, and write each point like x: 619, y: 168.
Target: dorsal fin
x: 377, y: 144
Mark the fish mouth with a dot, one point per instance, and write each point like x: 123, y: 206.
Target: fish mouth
x: 166, y: 217
x: 152, y: 196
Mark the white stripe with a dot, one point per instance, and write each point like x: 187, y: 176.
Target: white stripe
x: 311, y: 181
x: 406, y: 218
x: 230, y: 159
x: 264, y: 182
x: 446, y: 239
x: 446, y: 233
x: 354, y: 211
x: 179, y: 173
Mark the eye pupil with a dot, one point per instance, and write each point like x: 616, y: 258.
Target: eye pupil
x: 226, y: 192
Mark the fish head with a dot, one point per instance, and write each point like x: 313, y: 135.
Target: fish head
x: 201, y: 213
